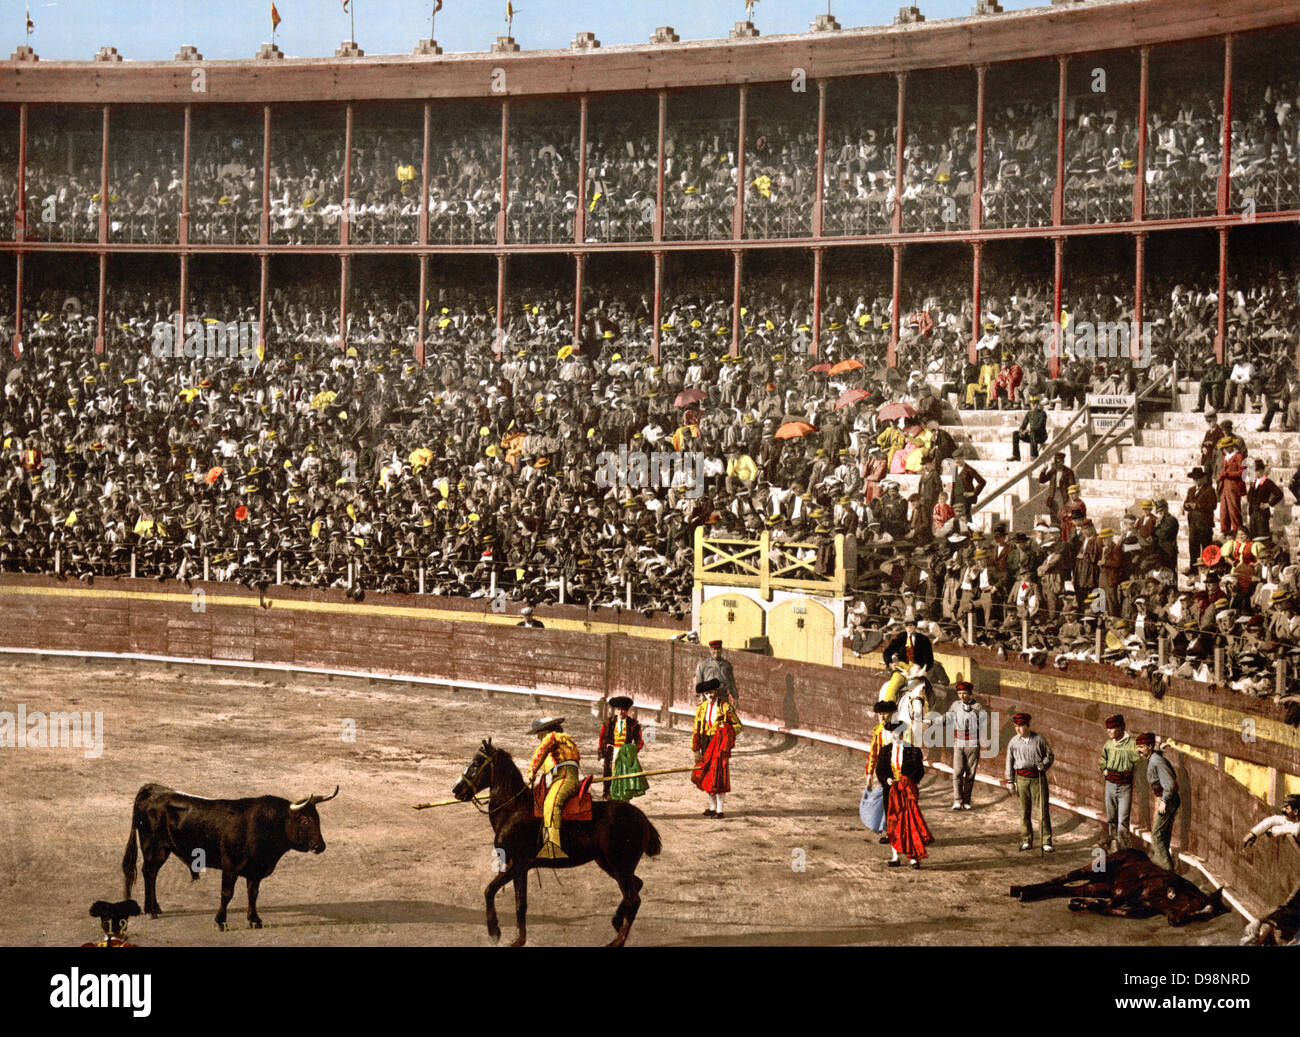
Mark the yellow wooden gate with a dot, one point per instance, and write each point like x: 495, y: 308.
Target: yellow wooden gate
x: 733, y: 618
x: 802, y: 629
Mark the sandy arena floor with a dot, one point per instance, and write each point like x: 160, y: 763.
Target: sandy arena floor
x: 394, y: 876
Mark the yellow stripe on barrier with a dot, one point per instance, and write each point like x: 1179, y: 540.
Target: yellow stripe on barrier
x: 339, y: 608
x: 1206, y: 713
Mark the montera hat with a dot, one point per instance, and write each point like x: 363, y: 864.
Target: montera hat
x: 620, y: 702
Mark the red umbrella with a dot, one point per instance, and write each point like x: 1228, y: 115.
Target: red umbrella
x: 851, y: 397
x: 894, y: 411
x: 850, y: 364
x: 795, y: 430
x: 241, y: 513
x: 820, y: 369
x: 688, y: 396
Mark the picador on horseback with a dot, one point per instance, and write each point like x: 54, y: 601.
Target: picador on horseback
x: 556, y: 763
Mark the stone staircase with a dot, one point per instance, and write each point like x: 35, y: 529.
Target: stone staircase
x: 983, y: 440
x: 1151, y: 464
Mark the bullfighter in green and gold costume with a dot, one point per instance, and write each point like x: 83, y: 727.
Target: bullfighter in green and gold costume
x: 620, y: 742
x: 556, y: 762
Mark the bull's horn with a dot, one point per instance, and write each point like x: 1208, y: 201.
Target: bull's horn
x: 299, y: 804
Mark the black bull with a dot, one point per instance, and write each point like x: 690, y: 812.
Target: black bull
x: 239, y: 837
x: 1127, y: 885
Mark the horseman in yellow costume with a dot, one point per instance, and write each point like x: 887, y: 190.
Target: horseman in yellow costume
x: 556, y: 762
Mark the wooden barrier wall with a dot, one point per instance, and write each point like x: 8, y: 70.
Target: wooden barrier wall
x: 401, y: 635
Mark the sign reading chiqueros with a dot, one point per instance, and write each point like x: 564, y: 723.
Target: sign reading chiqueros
x: 1105, y: 411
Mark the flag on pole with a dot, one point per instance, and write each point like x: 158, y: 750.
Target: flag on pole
x: 275, y: 18
x: 345, y: 6
x: 437, y: 7
x: 31, y: 25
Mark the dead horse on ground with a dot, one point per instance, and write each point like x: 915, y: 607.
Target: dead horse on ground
x: 1127, y: 885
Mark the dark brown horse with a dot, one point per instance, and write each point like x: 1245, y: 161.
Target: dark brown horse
x: 1127, y: 885
x: 615, y: 838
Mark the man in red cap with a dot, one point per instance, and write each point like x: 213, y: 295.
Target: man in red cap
x: 965, y: 721
x: 715, y: 667
x: 1164, y: 786
x: 1028, y: 759
x: 1119, y: 756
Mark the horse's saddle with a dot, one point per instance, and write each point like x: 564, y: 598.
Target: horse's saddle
x: 577, y: 808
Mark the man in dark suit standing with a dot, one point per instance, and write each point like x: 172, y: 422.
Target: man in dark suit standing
x: 911, y: 647
x: 1033, y: 430
x: 1262, y: 496
x: 899, y: 769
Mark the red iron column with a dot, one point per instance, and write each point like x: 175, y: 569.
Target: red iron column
x: 738, y: 214
x: 264, y: 224
x: 815, y: 349
x: 977, y: 201
x: 659, y: 167
x: 819, y: 199
x: 1058, y: 274
x: 900, y: 142
x: 1058, y: 193
x: 1144, y: 97
x: 657, y: 340
x: 1139, y: 280
x: 1225, y: 167
x: 183, y: 230
x: 891, y: 357
x: 580, y: 215
x: 345, y: 224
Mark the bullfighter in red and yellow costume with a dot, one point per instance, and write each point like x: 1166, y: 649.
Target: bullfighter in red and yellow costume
x: 899, y: 767
x: 556, y: 761
x: 716, y: 727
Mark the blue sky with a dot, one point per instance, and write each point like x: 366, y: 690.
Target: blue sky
x: 153, y: 30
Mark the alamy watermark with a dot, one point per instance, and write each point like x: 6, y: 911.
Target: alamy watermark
x: 216, y: 340
x: 636, y: 469
x: 1106, y: 340
x: 37, y: 730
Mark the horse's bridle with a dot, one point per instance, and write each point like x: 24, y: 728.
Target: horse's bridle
x: 487, y: 762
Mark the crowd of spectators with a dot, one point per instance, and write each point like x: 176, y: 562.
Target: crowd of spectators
x: 1184, y: 142
x: 358, y: 468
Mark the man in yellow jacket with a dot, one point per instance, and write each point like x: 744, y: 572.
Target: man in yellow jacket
x: 556, y: 762
x: 714, y: 735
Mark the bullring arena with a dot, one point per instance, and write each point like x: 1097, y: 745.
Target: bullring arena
x: 391, y: 875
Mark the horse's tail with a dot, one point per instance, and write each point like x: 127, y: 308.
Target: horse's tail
x: 129, y: 857
x: 653, y: 844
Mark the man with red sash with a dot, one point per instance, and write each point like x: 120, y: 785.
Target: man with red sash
x: 713, y: 737
x: 899, y: 769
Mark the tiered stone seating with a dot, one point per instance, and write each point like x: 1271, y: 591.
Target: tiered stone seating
x: 1152, y: 464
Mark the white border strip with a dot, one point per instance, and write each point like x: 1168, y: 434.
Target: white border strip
x: 513, y: 689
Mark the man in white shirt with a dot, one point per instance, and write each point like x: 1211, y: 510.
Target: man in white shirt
x: 1240, y: 391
